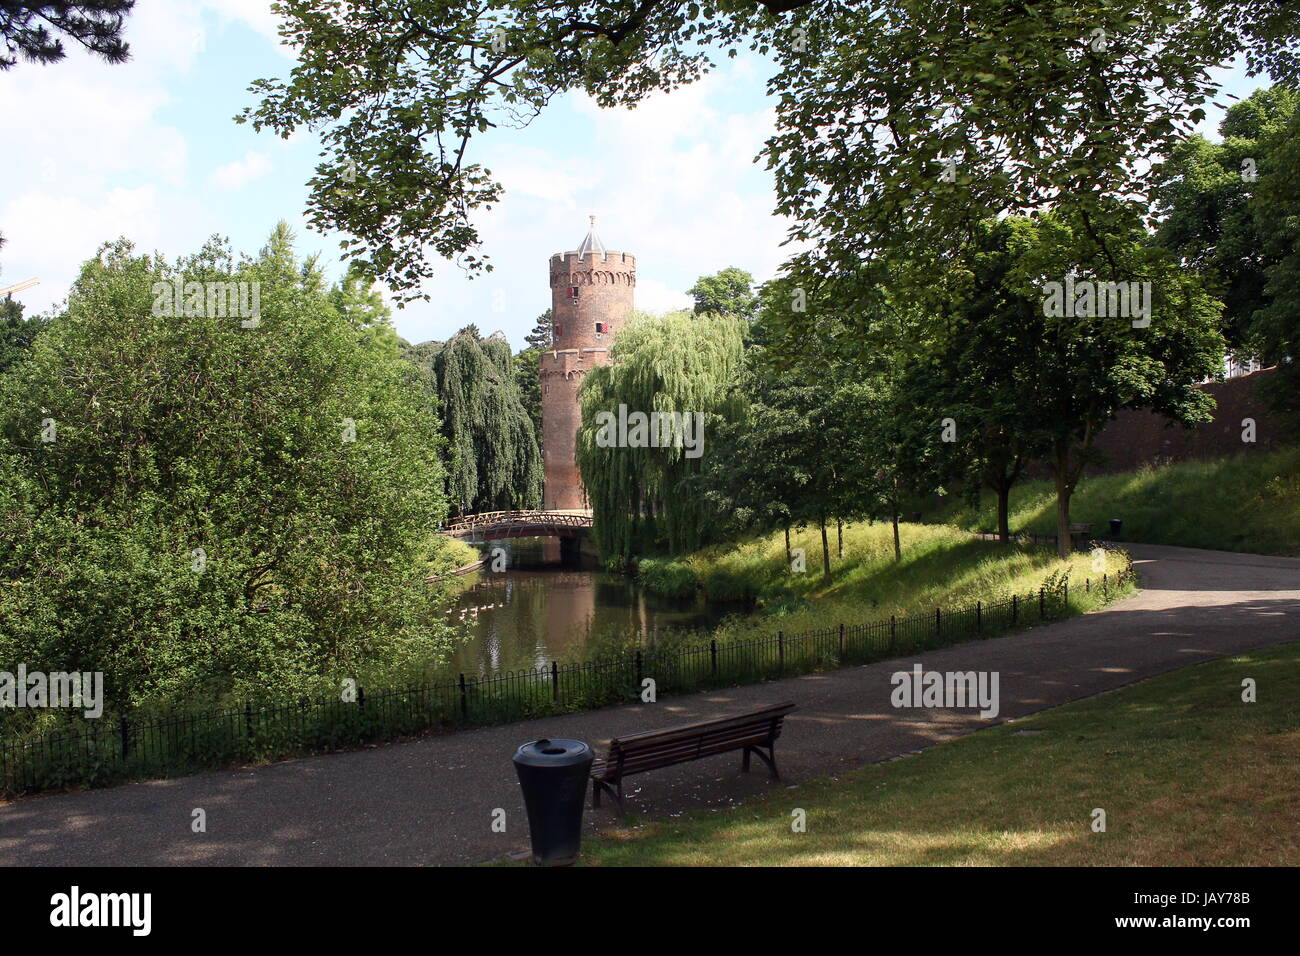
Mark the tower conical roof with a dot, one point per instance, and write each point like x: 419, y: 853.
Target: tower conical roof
x: 592, y: 243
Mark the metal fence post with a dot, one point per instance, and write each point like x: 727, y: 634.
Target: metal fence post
x: 464, y: 699
x: 1041, y: 597
x: 1015, y: 608
x: 126, y: 735
x: 248, y: 718
x: 780, y: 652
x: 893, y: 633
x: 637, y: 690
x: 1065, y: 606
x: 938, y: 624
x: 555, y: 681
x: 713, y: 657
x: 979, y: 616
x: 841, y: 642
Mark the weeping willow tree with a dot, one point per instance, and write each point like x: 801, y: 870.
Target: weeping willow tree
x: 641, y: 480
x: 493, y: 459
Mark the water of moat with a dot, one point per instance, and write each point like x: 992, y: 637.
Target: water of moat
x: 540, y: 610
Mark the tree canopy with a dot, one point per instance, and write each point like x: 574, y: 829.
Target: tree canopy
x: 900, y: 124
x: 494, y: 461
x: 728, y: 292
x: 31, y: 30
x: 1212, y: 212
x: 669, y: 365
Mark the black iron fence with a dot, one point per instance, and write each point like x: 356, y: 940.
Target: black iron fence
x: 98, y: 752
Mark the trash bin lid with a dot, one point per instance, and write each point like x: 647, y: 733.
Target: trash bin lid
x: 553, y: 753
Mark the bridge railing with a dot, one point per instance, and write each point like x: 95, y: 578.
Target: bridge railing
x: 497, y: 519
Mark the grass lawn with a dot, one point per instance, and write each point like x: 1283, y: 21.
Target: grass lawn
x: 941, y: 566
x: 1250, y: 502
x: 1187, y: 773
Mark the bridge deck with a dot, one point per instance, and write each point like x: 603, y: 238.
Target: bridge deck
x: 520, y: 524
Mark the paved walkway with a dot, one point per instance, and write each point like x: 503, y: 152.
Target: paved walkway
x: 431, y: 801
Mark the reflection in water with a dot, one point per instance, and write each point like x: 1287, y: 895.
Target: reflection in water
x: 528, y: 616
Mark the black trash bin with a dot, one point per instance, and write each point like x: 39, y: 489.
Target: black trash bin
x: 553, y: 775
x: 1115, y: 525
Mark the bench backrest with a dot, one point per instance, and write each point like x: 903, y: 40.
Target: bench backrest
x: 659, y: 748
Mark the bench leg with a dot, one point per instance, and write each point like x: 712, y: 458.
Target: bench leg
x: 768, y: 758
x: 599, y: 785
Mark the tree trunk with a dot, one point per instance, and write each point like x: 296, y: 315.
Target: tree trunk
x: 789, y: 558
x: 1004, y: 505
x: 1063, y: 490
x: 898, y: 548
x: 826, y: 553
x: 839, y: 532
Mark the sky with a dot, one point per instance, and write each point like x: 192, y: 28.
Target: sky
x: 149, y: 150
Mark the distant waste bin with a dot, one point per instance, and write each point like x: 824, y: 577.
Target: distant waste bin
x: 1115, y: 526
x: 553, y: 775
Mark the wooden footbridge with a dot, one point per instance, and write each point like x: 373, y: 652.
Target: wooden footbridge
x: 520, y: 524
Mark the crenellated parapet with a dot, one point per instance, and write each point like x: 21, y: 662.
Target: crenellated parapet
x: 568, y: 363
x: 571, y: 269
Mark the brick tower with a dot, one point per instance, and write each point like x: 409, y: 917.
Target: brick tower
x: 591, y: 297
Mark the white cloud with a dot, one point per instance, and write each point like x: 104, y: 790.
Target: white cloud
x: 91, y: 127
x: 531, y: 172
x: 253, y: 166
x: 698, y: 194
x: 672, y: 181
x: 658, y: 298
x: 52, y: 235
x: 101, y: 155
x: 255, y: 14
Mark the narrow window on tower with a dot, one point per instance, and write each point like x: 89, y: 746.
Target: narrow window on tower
x: 559, y: 330
x: 573, y: 293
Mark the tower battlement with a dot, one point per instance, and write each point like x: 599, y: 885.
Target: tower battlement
x: 579, y: 269
x: 608, y: 255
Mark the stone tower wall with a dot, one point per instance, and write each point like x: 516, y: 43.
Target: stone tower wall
x: 604, y: 284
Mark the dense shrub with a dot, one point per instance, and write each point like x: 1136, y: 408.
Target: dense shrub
x: 226, y: 508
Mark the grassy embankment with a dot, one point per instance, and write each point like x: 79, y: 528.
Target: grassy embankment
x: 940, y: 567
x: 1187, y: 773
x: 1250, y: 502
x: 448, y: 554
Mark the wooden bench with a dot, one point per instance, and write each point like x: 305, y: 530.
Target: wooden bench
x: 1080, y: 533
x: 754, y: 733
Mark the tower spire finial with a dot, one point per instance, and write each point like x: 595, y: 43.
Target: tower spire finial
x: 592, y: 243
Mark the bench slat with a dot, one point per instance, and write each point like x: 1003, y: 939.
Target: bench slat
x: 768, y: 728
x: 686, y: 751
x: 754, y: 717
